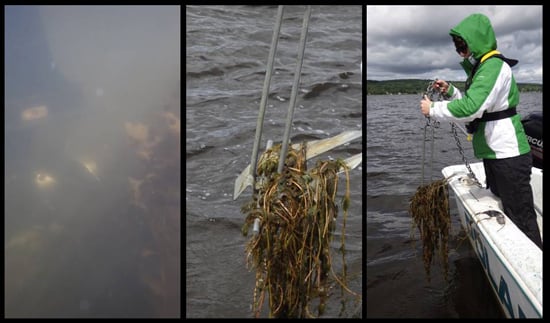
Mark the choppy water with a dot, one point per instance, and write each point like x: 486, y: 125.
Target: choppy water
x: 226, y: 53
x: 394, y: 267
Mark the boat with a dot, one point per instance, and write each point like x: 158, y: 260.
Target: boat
x: 510, y: 260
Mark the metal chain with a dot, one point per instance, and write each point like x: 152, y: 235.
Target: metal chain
x: 461, y: 151
x: 430, y: 123
x: 435, y: 95
x: 431, y: 92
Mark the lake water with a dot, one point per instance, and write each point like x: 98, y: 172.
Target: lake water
x: 226, y: 53
x: 394, y: 266
x: 92, y: 161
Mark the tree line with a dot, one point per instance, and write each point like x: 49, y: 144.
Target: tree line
x: 417, y: 86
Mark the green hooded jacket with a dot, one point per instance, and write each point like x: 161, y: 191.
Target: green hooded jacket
x: 493, y: 88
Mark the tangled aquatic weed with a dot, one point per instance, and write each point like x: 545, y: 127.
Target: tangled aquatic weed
x: 429, y: 209
x: 291, y: 252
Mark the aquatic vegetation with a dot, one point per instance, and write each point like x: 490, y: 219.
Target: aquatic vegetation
x: 137, y: 131
x: 155, y: 191
x: 429, y: 209
x: 173, y: 122
x: 297, y: 211
x: 34, y: 113
x: 44, y: 180
x: 91, y: 167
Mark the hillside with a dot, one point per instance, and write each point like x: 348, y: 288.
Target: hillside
x: 417, y: 86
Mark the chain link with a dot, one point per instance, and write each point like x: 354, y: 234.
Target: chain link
x: 461, y: 151
x: 431, y: 93
x: 435, y: 95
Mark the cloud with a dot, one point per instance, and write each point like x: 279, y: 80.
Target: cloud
x: 413, y: 41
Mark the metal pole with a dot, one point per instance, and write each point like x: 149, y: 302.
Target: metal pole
x: 267, y: 80
x: 294, y: 92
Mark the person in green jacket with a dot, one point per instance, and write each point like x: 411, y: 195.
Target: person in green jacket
x: 489, y: 106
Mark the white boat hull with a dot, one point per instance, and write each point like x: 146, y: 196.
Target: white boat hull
x: 511, y: 261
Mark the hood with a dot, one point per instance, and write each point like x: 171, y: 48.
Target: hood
x: 478, y: 33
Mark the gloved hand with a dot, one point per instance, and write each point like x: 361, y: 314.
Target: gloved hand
x: 442, y: 86
x: 425, y: 105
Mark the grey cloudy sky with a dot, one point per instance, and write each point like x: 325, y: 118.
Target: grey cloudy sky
x: 414, y: 42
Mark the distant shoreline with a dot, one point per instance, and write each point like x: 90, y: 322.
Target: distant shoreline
x: 418, y: 86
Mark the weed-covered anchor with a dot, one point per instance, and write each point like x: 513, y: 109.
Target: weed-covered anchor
x: 429, y: 207
x: 294, y: 214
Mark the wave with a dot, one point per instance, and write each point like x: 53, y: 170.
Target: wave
x: 197, y: 151
x: 320, y: 88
